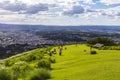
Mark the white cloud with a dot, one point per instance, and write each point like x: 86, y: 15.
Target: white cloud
x: 51, y: 11
x: 75, y: 10
x: 109, y: 2
x: 31, y: 2
x: 112, y: 12
x: 23, y: 8
x: 88, y: 1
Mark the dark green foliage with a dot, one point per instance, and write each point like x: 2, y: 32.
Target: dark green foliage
x: 37, y: 55
x: 93, y: 52
x: 101, y: 40
x: 6, y: 75
x: 69, y: 36
x: 30, y: 58
x: 44, y: 64
x: 8, y: 63
x: 111, y: 48
x: 38, y: 74
x: 52, y: 60
x: 20, y: 67
x: 20, y: 70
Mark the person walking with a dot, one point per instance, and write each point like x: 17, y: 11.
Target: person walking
x: 60, y: 51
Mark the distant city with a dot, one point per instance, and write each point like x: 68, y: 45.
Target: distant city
x: 19, y: 38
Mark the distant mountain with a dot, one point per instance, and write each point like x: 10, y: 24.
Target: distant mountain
x: 9, y: 27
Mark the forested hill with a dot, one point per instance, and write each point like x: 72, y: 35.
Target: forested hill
x: 109, y: 29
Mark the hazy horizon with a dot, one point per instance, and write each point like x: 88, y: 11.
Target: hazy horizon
x: 54, y: 24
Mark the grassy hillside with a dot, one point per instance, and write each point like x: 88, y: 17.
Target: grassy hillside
x: 76, y: 63
x: 32, y: 65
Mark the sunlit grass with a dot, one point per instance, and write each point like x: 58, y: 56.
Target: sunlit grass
x: 76, y: 63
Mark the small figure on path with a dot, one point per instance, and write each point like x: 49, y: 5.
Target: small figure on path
x: 51, y: 53
x: 54, y: 51
x: 60, y: 51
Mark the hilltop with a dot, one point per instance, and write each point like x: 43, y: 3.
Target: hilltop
x: 77, y: 63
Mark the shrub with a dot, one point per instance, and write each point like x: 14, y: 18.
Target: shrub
x: 111, y: 48
x: 43, y: 63
x: 8, y: 63
x: 20, y: 67
x: 52, y: 60
x: 38, y: 74
x: 31, y: 57
x: 93, y: 52
x: 6, y: 75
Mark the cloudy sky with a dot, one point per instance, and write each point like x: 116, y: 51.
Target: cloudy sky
x: 60, y: 12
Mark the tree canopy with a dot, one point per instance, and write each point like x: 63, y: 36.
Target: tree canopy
x: 101, y: 40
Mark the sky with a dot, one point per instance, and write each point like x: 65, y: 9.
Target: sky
x: 60, y: 12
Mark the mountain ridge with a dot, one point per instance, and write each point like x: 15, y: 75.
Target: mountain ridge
x: 86, y: 28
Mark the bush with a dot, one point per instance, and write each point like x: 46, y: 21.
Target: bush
x: 111, y: 48
x: 31, y: 57
x: 93, y: 52
x: 20, y: 67
x: 52, y: 60
x: 44, y: 64
x: 38, y: 74
x: 8, y: 63
x: 6, y: 75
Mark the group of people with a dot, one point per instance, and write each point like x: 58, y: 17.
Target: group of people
x: 53, y: 52
x: 60, y: 49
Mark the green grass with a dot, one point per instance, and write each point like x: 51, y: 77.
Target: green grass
x: 23, y: 64
x: 75, y: 64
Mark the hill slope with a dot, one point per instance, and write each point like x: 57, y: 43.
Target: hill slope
x: 76, y: 64
x: 30, y: 65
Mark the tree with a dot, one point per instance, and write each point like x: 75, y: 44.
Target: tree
x: 101, y: 40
